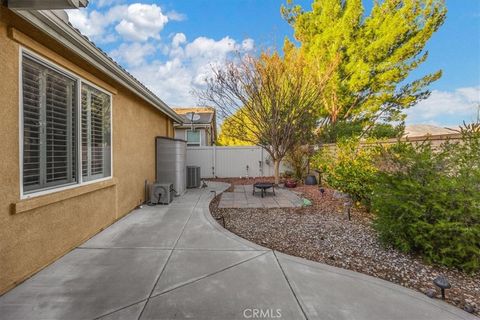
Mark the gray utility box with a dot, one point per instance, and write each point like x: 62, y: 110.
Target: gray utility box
x: 170, y: 163
x: 161, y: 193
x: 193, y: 177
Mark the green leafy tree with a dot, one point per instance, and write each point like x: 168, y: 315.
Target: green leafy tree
x: 343, y: 130
x: 231, y: 134
x: 374, y: 55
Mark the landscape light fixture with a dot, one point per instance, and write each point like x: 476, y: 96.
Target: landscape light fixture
x: 322, y: 190
x: 349, y: 204
x: 442, y: 283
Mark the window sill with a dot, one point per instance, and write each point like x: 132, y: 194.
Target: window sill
x: 41, y: 201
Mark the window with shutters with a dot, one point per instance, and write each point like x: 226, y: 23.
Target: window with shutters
x: 95, y: 133
x: 66, y: 128
x: 49, y: 127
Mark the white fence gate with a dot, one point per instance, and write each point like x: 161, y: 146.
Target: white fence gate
x: 228, y: 162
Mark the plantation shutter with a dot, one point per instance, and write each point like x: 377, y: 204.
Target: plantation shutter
x: 85, y: 133
x: 95, y: 133
x: 49, y: 129
x: 31, y: 75
x: 60, y: 129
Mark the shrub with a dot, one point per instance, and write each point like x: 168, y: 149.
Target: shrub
x: 287, y: 174
x: 427, y: 200
x: 297, y: 160
x: 350, y: 168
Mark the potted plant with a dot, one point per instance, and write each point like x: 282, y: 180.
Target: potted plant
x: 290, y: 181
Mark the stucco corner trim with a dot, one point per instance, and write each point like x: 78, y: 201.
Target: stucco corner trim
x: 41, y: 201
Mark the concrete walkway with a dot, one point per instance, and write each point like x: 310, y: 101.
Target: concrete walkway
x: 176, y: 262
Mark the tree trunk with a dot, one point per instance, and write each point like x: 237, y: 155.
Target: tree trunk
x: 276, y: 165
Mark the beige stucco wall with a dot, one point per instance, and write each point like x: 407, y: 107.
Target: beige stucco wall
x: 35, y: 232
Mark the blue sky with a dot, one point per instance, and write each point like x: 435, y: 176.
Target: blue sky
x: 170, y: 45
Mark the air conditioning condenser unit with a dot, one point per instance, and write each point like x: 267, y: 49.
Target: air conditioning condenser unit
x: 161, y: 193
x: 193, y: 177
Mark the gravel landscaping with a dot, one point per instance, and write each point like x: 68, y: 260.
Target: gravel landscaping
x: 323, y: 233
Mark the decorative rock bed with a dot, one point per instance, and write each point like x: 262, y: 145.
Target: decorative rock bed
x: 323, y: 233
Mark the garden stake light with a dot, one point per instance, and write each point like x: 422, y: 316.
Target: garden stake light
x: 348, y: 204
x: 443, y: 284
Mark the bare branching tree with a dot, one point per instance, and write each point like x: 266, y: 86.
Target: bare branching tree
x: 270, y: 100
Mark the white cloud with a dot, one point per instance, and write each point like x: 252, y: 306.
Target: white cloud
x: 206, y: 48
x: 446, y: 107
x: 187, y: 66
x: 141, y: 22
x: 176, y: 16
x: 178, y: 39
x: 135, y: 22
x: 247, y: 44
x: 171, y: 69
x: 133, y: 54
x: 90, y: 24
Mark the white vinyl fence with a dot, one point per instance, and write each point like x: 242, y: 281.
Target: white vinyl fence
x: 229, y: 162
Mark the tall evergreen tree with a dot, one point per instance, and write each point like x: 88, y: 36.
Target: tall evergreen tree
x: 373, y: 55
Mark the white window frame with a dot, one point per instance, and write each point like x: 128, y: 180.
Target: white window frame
x: 199, y: 136
x: 79, y: 81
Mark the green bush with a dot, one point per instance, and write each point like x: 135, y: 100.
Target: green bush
x: 297, y: 159
x: 427, y: 200
x: 350, y: 168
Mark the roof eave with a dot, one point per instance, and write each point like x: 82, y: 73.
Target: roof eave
x: 49, y: 23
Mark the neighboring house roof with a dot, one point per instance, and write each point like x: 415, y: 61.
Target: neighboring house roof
x: 420, y: 130
x: 54, y: 25
x: 206, y: 115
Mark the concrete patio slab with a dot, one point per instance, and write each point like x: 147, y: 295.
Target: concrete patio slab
x: 230, y: 294
x: 175, y: 261
x: 330, y: 293
x: 150, y: 227
x: 243, y: 197
x: 128, y: 313
x: 186, y: 266
x: 85, y: 284
x: 200, y: 234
